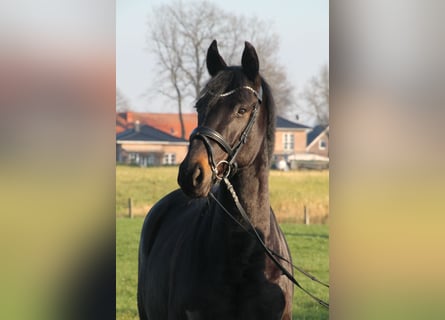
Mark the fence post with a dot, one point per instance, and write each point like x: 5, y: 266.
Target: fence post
x: 130, y: 205
x: 306, y: 216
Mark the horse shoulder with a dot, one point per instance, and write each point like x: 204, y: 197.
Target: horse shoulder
x: 155, y: 218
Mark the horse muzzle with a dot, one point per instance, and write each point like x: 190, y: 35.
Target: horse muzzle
x: 195, y: 176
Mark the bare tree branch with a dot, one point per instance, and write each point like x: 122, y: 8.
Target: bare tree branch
x: 122, y: 104
x: 315, y: 97
x: 180, y: 33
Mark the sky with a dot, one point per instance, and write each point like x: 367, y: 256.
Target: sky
x: 303, y: 28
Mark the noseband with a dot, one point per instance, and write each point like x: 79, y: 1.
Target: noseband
x: 224, y: 168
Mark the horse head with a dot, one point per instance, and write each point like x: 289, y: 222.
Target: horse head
x: 231, y: 123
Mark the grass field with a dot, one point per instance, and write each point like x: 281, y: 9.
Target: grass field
x: 289, y: 191
x: 308, y: 243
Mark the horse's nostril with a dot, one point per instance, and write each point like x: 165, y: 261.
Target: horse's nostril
x: 198, y: 175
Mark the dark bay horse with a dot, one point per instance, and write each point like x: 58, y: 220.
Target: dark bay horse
x: 197, y: 260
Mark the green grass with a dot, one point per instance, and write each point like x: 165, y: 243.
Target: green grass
x: 309, y: 246
x: 127, y: 244
x: 144, y: 185
x: 289, y: 191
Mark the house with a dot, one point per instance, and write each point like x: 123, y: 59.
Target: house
x: 290, y: 139
x: 145, y: 145
x: 318, y: 141
x: 154, y: 138
x: 166, y: 122
x: 316, y: 155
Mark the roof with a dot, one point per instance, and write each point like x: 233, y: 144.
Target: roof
x: 166, y: 122
x: 315, y: 132
x: 147, y: 134
x: 282, y: 123
x: 169, y: 122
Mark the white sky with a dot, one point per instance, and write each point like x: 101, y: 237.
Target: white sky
x: 303, y: 28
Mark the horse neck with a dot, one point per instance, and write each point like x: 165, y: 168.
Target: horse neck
x: 252, y: 187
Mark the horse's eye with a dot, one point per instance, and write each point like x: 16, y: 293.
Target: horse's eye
x: 242, y: 111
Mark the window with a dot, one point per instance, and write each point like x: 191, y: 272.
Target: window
x: 151, y: 159
x: 288, y: 141
x: 134, y: 157
x: 322, y: 145
x: 169, y: 158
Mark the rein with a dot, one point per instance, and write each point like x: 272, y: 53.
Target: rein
x: 270, y: 253
x: 229, y: 167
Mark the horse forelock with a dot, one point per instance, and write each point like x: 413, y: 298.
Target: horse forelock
x: 219, y: 84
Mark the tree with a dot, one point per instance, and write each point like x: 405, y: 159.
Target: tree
x: 121, y: 102
x: 169, y: 52
x: 267, y: 45
x: 316, y: 97
x: 179, y: 35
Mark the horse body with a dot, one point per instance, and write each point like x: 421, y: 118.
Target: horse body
x: 203, y: 267
x: 195, y: 262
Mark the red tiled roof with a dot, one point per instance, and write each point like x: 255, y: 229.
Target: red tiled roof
x: 166, y: 122
x: 169, y: 122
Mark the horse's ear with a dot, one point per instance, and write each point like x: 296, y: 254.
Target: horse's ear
x: 215, y: 62
x: 250, y: 62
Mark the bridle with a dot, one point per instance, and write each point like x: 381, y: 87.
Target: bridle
x: 227, y: 167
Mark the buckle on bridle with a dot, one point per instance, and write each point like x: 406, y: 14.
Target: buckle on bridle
x: 225, y: 173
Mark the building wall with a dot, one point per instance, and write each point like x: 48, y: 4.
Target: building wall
x: 137, y: 147
x: 317, y: 149
x: 179, y: 151
x: 155, y: 151
x: 299, y: 141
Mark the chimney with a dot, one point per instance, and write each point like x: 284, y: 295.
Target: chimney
x: 137, y: 126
